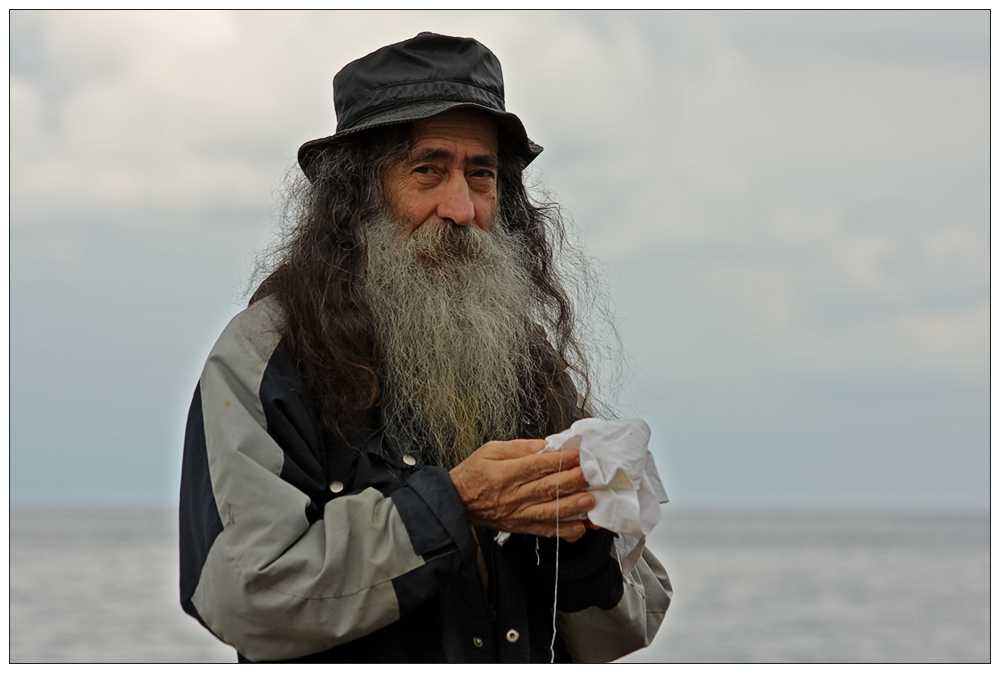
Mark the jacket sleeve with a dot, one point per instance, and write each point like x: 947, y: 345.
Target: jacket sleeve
x: 601, y: 615
x: 599, y: 635
x: 260, y: 567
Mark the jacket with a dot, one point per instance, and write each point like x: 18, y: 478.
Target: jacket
x: 296, y: 546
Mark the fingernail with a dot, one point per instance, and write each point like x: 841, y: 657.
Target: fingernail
x: 585, y: 501
x: 537, y: 445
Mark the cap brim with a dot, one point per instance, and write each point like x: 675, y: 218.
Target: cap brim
x: 509, y: 124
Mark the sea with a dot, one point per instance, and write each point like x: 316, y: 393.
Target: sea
x: 102, y: 587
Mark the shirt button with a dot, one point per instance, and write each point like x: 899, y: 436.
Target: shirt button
x: 477, y: 641
x: 512, y: 636
x: 410, y: 460
x: 336, y: 487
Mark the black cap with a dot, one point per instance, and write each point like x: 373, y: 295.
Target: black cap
x: 416, y: 79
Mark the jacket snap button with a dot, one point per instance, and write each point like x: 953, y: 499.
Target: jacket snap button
x: 336, y: 487
x: 477, y: 641
x: 512, y: 636
x: 410, y: 460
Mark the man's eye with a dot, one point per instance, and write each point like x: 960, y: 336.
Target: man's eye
x: 484, y: 173
x: 424, y: 170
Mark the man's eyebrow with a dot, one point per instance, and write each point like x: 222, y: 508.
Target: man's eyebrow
x: 488, y: 160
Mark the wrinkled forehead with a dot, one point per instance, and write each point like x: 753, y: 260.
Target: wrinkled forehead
x: 463, y: 131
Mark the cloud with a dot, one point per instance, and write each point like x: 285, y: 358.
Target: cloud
x: 725, y: 138
x: 174, y: 110
x: 778, y: 195
x: 948, y: 339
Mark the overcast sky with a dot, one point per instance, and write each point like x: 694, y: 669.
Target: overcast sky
x: 792, y: 210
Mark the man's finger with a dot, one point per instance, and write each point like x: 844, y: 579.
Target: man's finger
x: 533, y: 468
x: 570, y: 531
x: 562, y: 484
x: 568, y: 510
x: 575, y: 505
x: 512, y: 449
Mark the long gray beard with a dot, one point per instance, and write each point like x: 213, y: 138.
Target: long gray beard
x: 451, y: 306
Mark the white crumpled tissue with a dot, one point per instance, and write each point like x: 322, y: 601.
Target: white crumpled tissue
x: 619, y: 468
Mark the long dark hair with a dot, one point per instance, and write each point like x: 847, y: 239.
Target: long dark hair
x: 315, y: 273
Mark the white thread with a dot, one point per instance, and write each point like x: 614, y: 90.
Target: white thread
x: 555, y: 590
x: 538, y: 555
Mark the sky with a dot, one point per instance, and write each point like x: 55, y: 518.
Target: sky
x: 790, y: 209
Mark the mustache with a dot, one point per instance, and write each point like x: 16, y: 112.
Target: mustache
x: 442, y: 245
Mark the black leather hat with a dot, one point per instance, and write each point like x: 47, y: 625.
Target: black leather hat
x: 416, y: 79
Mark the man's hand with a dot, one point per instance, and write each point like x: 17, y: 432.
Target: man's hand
x: 510, y: 486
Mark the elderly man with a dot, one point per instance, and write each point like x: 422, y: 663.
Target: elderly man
x: 365, y: 428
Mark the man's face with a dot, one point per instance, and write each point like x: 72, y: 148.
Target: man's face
x: 450, y: 174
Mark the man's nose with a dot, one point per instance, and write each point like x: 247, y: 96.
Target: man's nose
x: 456, y: 202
